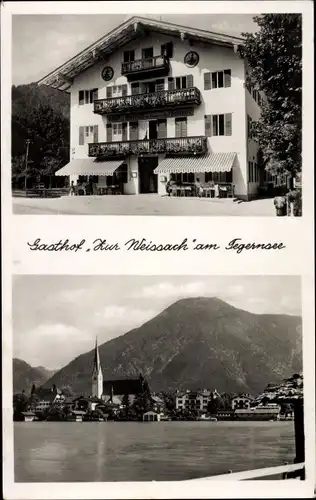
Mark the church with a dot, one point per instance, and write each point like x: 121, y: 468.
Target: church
x: 113, y: 391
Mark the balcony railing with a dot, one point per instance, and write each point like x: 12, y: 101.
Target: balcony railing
x: 157, y: 65
x: 154, y: 100
x: 174, y: 145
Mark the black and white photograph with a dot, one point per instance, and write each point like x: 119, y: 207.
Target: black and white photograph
x: 158, y: 315
x: 157, y: 378
x: 171, y: 114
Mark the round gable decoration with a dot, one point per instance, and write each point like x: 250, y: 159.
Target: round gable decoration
x: 191, y: 59
x: 107, y: 73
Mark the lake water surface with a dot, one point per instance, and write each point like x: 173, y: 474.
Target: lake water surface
x: 132, y: 451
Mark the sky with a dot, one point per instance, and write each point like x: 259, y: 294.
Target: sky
x: 56, y: 318
x: 41, y: 43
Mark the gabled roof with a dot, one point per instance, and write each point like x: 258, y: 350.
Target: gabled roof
x: 61, y: 78
x: 44, y: 394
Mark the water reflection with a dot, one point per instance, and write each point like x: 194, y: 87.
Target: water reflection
x: 112, y: 451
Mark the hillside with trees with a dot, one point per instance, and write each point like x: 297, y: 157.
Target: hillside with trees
x: 40, y: 114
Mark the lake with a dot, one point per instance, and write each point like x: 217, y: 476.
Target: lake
x: 132, y: 451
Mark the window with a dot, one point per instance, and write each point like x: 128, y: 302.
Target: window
x: 187, y: 177
x: 117, y: 91
x: 181, y: 127
x: 218, y: 124
x: 249, y: 125
x: 250, y: 171
x: 181, y: 82
x: 129, y: 55
x: 221, y: 124
x: 88, y: 134
x: 218, y: 177
x: 147, y: 53
x: 117, y: 131
x: 87, y: 96
x: 217, y: 79
x: 167, y: 49
x: 221, y: 128
x: 135, y: 88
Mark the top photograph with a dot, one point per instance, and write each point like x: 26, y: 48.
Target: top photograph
x: 180, y: 115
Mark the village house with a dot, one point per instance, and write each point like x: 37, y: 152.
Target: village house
x: 46, y: 397
x: 243, y: 401
x: 194, y: 400
x: 28, y: 416
x: 153, y: 102
x: 151, y: 416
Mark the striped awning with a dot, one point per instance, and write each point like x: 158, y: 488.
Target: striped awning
x: 89, y: 166
x: 215, y: 162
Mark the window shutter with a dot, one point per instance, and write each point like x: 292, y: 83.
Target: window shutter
x: 189, y: 81
x: 169, y: 50
x: 178, y: 128
x: 124, y: 89
x: 159, y: 85
x: 162, y: 129
x: 81, y: 136
x: 81, y: 97
x: 214, y: 80
x: 207, y: 81
x: 109, y: 132
x: 95, y: 133
x: 208, y: 125
x: 135, y: 88
x: 124, y: 131
x: 170, y: 84
x: 184, y: 127
x: 133, y: 131
x: 227, y: 78
x: 181, y: 127
x: 108, y: 92
x: 95, y: 94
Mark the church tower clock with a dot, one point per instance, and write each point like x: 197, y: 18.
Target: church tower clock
x: 97, y: 376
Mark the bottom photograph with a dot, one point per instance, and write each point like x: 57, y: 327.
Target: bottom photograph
x: 157, y: 378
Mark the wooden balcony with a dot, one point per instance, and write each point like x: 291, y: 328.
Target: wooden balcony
x: 145, y: 102
x: 146, y: 68
x: 174, y: 145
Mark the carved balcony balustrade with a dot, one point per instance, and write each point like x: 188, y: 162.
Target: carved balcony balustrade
x: 144, y: 102
x: 146, y: 68
x: 170, y: 146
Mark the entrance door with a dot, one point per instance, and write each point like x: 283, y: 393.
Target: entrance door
x: 147, y: 179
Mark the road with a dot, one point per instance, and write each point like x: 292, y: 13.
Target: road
x: 141, y: 205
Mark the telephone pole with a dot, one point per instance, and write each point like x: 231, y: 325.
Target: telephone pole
x: 27, y: 142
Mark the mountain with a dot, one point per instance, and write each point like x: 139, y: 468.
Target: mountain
x: 196, y: 343
x: 33, y: 95
x: 24, y: 375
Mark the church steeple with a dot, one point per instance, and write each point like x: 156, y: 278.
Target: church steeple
x: 97, y: 376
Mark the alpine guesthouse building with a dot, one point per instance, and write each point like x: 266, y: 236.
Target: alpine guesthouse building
x: 152, y: 102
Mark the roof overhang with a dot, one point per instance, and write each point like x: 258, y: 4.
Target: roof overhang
x: 62, y: 77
